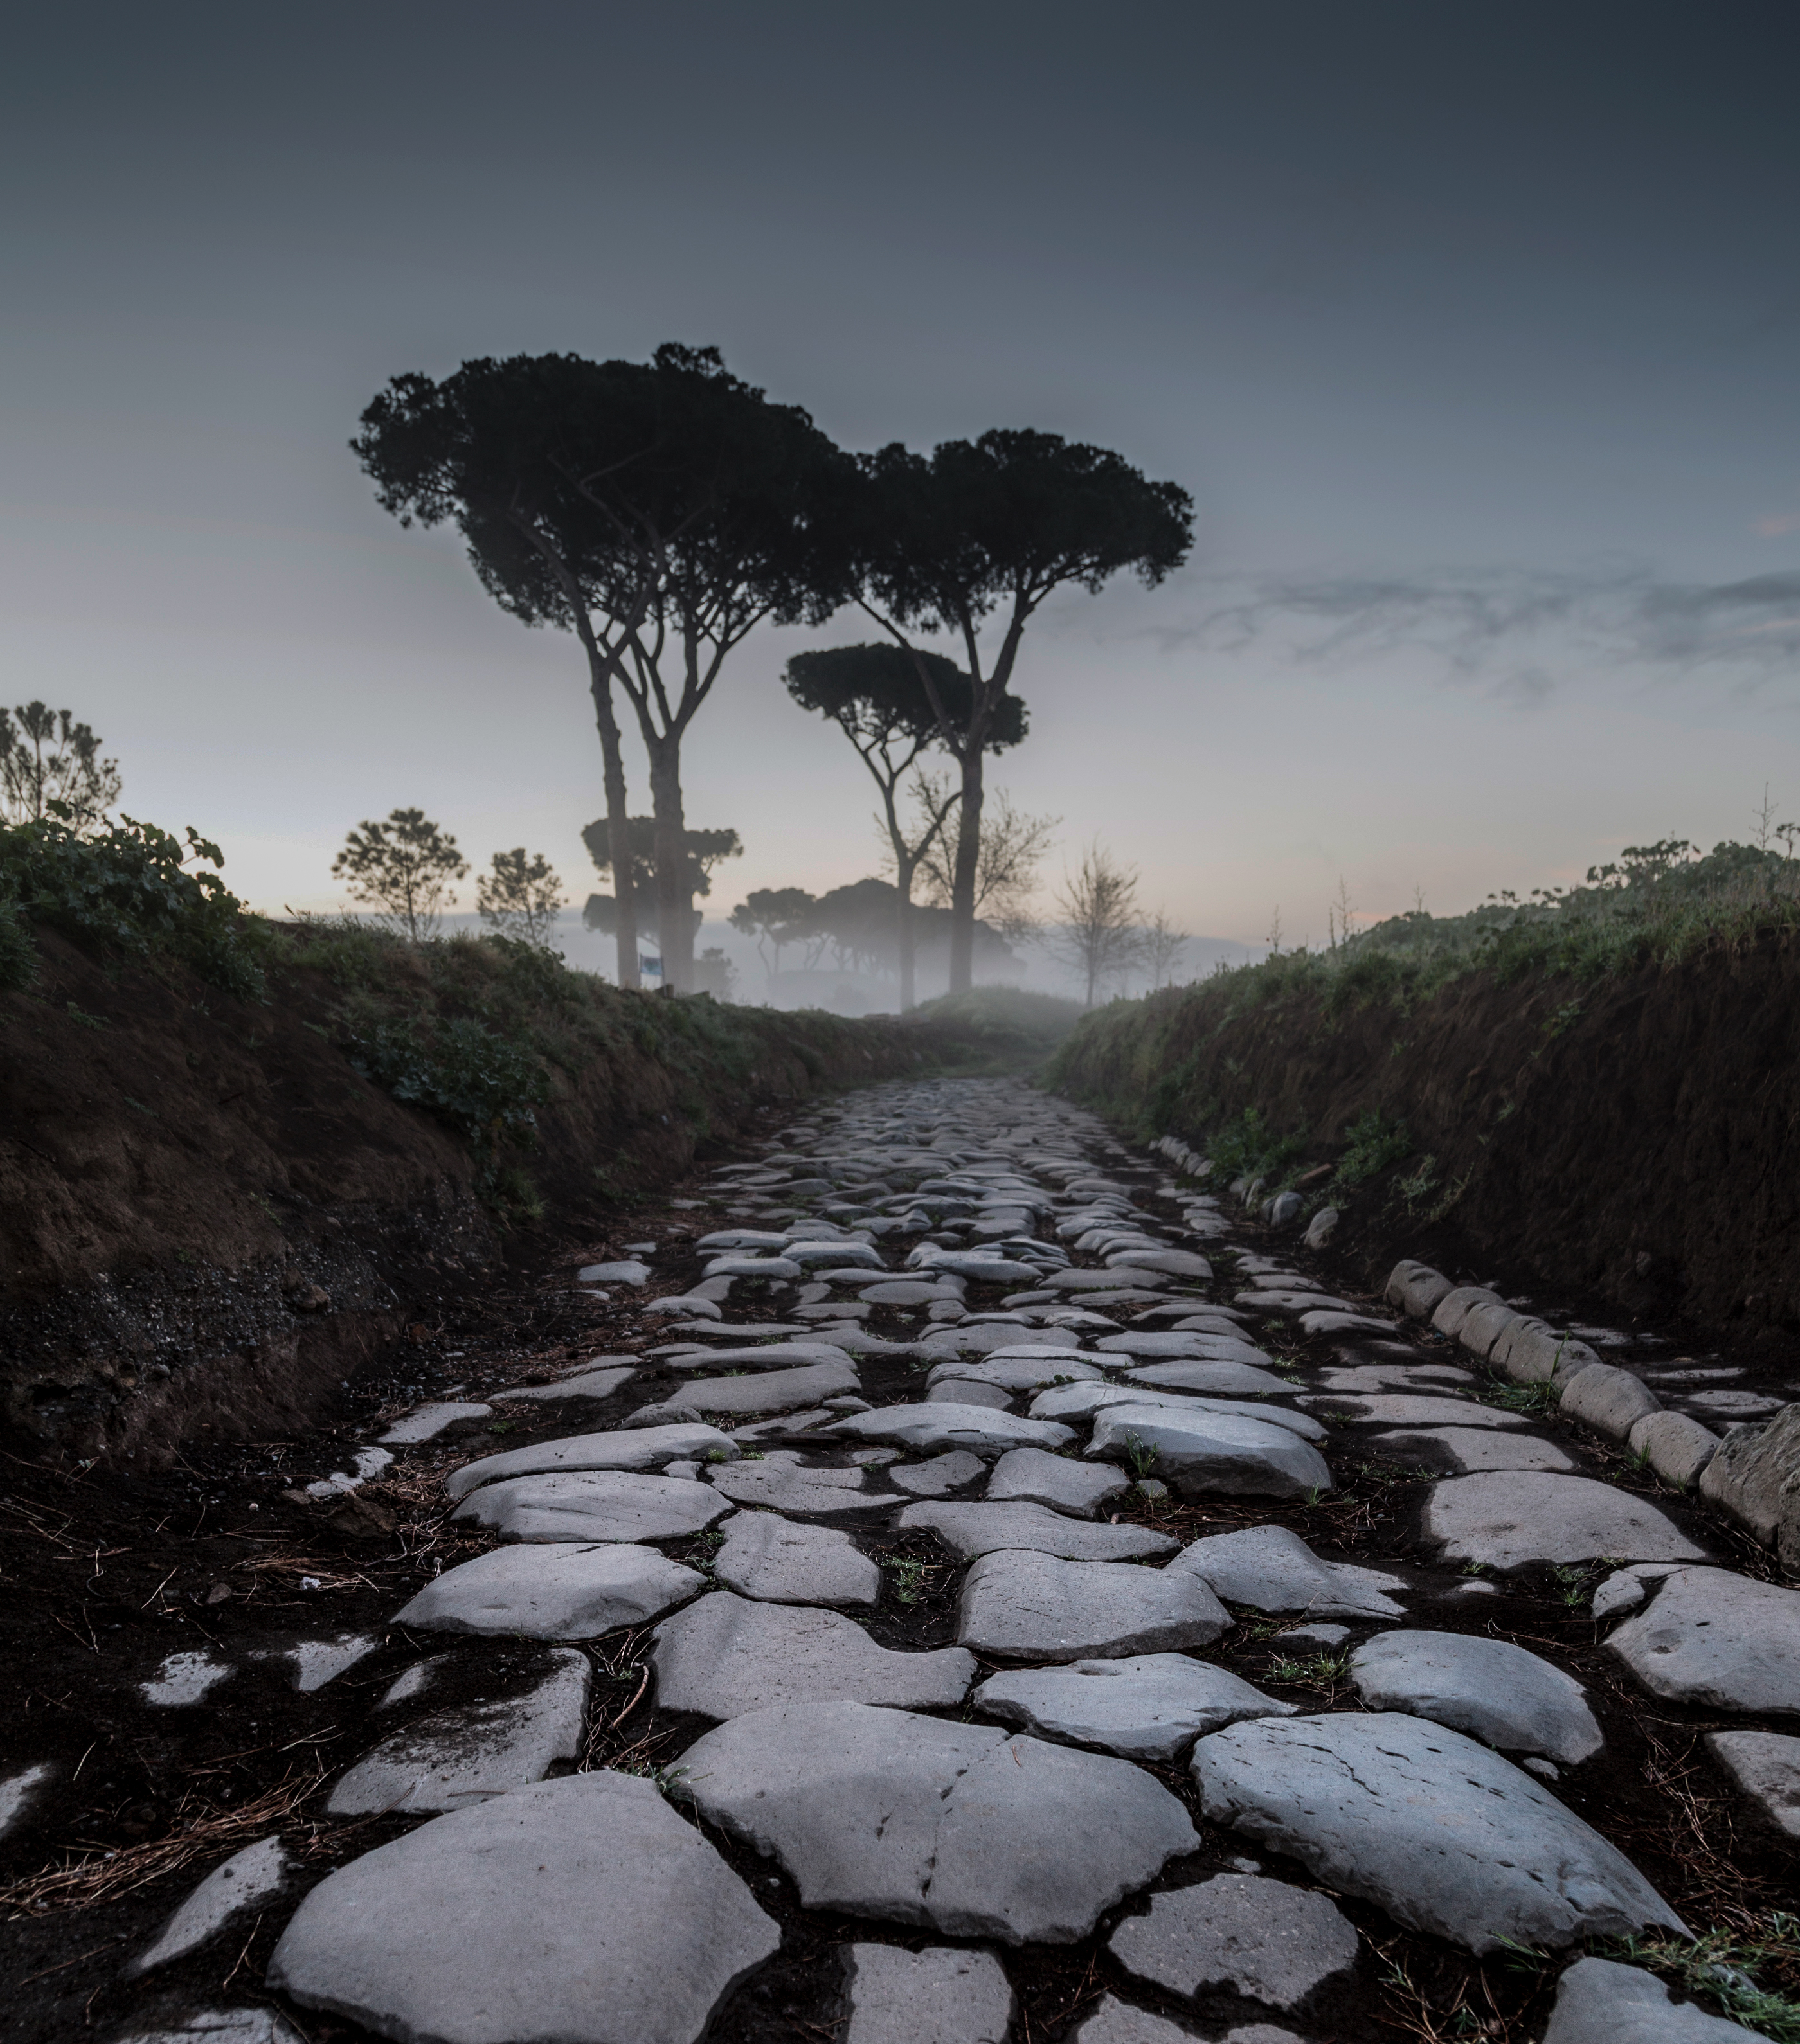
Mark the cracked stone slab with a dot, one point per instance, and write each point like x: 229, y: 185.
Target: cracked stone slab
x: 1271, y: 1568
x: 246, y: 1879
x: 1443, y: 1834
x: 726, y: 1655
x: 1507, y: 1517
x: 946, y: 1473
x: 1076, y: 1488
x: 1204, y: 1453
x: 595, y: 1505
x: 1462, y: 1451
x: 1599, y: 2001
x: 781, y: 1485
x: 561, y: 1592
x: 961, y: 1827
x: 781, y: 1561
x: 584, y: 1910
x: 943, y: 1995
x: 1718, y: 1640
x: 972, y: 1530
x: 1148, y: 1707
x: 1272, y: 1942
x: 1027, y: 1607
x: 1765, y: 1767
x: 948, y: 1425
x: 770, y: 1391
x: 1495, y: 1692
x: 475, y: 1751
x: 641, y: 1448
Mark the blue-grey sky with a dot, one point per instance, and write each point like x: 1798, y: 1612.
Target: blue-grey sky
x: 1472, y: 329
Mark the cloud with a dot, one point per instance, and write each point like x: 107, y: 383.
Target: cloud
x: 1518, y: 633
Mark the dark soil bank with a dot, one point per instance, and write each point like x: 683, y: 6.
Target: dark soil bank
x: 209, y: 1217
x: 1631, y: 1138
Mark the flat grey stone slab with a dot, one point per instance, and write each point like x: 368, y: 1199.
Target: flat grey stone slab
x: 1718, y: 1640
x: 1765, y: 1766
x: 960, y: 1391
x: 583, y: 1383
x: 1507, y: 1517
x: 963, y: 1827
x: 969, y: 1530
x: 1154, y: 1343
x: 425, y: 1423
x: 1070, y: 1402
x: 21, y: 1792
x: 1600, y: 2002
x: 1027, y: 1607
x: 222, y: 2026
x: 946, y: 1473
x: 1269, y: 1941
x: 247, y: 1879
x: 1403, y: 1408
x: 1462, y: 1449
x: 631, y: 1272
x: 1489, y: 1689
x: 637, y: 1448
x: 1018, y: 1373
x: 779, y: 1484
x: 564, y: 1592
x: 1148, y: 1706
x: 1116, y: 2022
x: 1104, y: 1280
x: 583, y: 1910
x: 595, y: 1504
x: 948, y: 1425
x: 1204, y: 1453
x: 943, y: 1995
x: 183, y: 1679
x: 1330, y: 1320
x: 458, y: 1757
x: 1079, y: 1488
x: 727, y: 1654
x: 1271, y: 1568
x: 784, y: 1560
x: 770, y: 1391
x: 1444, y: 1835
x: 1229, y: 1379
x: 1171, y: 1263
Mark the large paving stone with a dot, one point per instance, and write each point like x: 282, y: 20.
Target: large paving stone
x: 1506, y: 1517
x: 1459, y: 1451
x: 595, y: 1504
x: 1148, y: 1707
x: 969, y: 1530
x: 246, y: 1880
x: 221, y: 2026
x: 1750, y: 1474
x: 1599, y: 2001
x: 781, y: 1484
x: 466, y: 1755
x: 768, y: 1391
x: 1444, y: 1835
x: 1402, y: 1408
x: 1018, y: 1373
x: 960, y: 1391
x: 1079, y: 1488
x: 1677, y: 1447
x: 782, y: 1561
x: 1765, y: 1765
x: 943, y: 1995
x: 1171, y: 1263
x: 1026, y: 1606
x: 425, y: 1423
x: 1271, y: 1568
x: 1489, y: 1689
x: 583, y: 1910
x: 1070, y: 1403
x: 1151, y: 1343
x: 1610, y: 1400
x: 1226, y: 1379
x: 1717, y: 1641
x: 1116, y: 2022
x: 728, y: 1654
x: 954, y: 1471
x: 1104, y: 1280
x: 564, y: 1591
x: 1204, y: 1454
x: 1270, y: 1941
x: 641, y: 1448
x: 583, y: 1383
x: 963, y: 1827
x: 946, y: 1425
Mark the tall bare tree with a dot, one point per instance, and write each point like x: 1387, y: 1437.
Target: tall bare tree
x: 1098, y: 934
x: 1013, y: 845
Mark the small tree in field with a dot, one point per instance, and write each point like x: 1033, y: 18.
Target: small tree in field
x: 522, y: 898
x: 46, y: 757
x: 402, y: 869
x: 1099, y: 936
x: 1163, y: 945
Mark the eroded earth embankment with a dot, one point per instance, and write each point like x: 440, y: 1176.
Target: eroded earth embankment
x: 1030, y: 1601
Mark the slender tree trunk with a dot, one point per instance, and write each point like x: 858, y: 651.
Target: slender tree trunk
x: 963, y: 879
x: 674, y: 898
x: 903, y: 878
x: 618, y: 821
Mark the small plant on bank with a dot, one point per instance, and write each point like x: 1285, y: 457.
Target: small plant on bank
x: 402, y: 869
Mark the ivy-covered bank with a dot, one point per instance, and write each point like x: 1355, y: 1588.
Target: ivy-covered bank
x: 1607, y: 1099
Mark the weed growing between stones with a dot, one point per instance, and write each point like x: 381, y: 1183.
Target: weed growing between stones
x: 1723, y: 1965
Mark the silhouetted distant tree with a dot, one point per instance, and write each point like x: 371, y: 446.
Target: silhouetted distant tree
x: 402, y: 868
x: 1098, y: 934
x: 783, y: 916
x: 875, y: 696
x: 659, y: 510
x: 48, y: 757
x: 1013, y: 844
x: 520, y: 897
x: 705, y: 849
x: 993, y: 526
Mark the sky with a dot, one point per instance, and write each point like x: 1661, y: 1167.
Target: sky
x: 1472, y: 330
